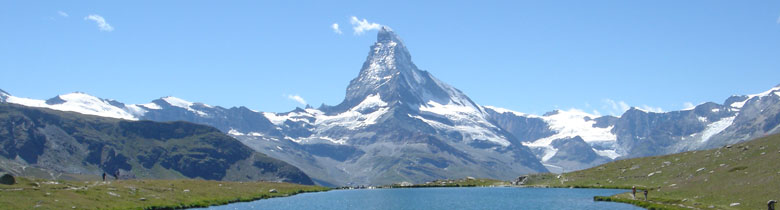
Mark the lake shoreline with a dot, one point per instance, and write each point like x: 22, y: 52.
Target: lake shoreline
x: 655, y: 203
x: 226, y: 202
x: 29, y: 193
x: 617, y: 198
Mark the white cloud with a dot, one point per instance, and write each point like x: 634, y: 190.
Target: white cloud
x: 361, y: 26
x: 297, y: 98
x: 335, y: 28
x: 615, y: 108
x: 688, y: 105
x: 63, y: 14
x: 101, y: 22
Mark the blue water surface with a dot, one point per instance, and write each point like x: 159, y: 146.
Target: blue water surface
x: 440, y: 199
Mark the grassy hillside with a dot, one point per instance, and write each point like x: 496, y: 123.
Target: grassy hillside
x: 746, y: 173
x: 138, y: 194
x: 46, y: 143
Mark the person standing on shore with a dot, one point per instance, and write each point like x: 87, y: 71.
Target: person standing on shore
x: 645, y: 194
x: 633, y: 192
x: 104, y: 176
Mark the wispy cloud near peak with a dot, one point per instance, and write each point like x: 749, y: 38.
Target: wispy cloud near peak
x: 361, y: 26
x: 297, y: 98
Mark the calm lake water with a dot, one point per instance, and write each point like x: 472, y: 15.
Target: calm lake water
x: 440, y: 198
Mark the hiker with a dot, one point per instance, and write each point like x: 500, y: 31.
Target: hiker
x: 104, y: 176
x: 645, y: 194
x: 633, y: 192
x: 771, y: 204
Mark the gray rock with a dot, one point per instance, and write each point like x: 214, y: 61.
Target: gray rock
x: 7, y: 179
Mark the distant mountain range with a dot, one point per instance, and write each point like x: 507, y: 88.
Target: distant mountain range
x: 399, y: 123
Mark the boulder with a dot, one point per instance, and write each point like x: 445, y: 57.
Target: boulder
x: 7, y: 179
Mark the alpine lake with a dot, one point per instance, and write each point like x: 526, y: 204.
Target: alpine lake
x: 444, y: 198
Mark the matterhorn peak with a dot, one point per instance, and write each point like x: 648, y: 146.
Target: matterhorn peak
x: 386, y: 34
x: 390, y: 73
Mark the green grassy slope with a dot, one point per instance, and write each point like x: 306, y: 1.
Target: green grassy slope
x: 138, y: 194
x: 747, y: 173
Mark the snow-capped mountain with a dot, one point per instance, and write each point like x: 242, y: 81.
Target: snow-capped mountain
x: 396, y: 123
x: 399, y: 123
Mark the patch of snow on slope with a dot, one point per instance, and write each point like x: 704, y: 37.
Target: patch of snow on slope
x: 646, y: 111
x: 78, y: 102
x: 456, y: 112
x: 151, y: 106
x: 274, y: 118
x: 503, y: 111
x: 371, y: 101
x: 235, y: 132
x: 135, y: 110
x: 26, y: 101
x: 568, y: 124
x: 572, y: 123
x: 716, y: 127
x: 467, y: 119
x: 353, y: 118
x: 610, y: 153
x: 765, y: 93
x: 549, y: 152
x: 181, y: 103
x: 279, y: 119
x: 468, y: 132
x: 740, y: 104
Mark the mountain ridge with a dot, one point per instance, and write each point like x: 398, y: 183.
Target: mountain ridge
x: 55, y: 142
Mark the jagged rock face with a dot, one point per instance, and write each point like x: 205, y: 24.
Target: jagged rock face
x: 389, y: 72
x: 759, y: 115
x: 642, y: 133
x: 523, y: 127
x: 3, y: 96
x: 574, y: 154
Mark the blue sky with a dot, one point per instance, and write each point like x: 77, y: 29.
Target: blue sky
x: 529, y: 56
